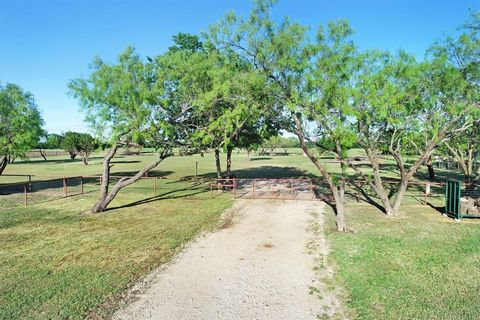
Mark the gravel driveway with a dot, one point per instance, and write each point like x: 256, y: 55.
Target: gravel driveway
x: 260, y: 265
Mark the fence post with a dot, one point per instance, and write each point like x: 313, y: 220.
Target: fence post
x: 30, y: 182
x: 65, y: 186
x: 155, y: 186
x: 81, y: 182
x: 196, y: 171
x: 291, y: 189
x: 211, y: 189
x: 234, y: 188
x: 427, y: 192
x: 311, y: 189
x: 26, y: 197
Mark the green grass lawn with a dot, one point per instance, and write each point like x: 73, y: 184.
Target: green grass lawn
x: 56, y: 262
x: 420, y: 265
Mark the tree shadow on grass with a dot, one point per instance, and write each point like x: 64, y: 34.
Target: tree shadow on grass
x: 151, y: 174
x: 367, y: 198
x: 169, y: 195
x: 53, y: 161
x: 124, y: 161
x: 262, y: 172
x: 440, y: 209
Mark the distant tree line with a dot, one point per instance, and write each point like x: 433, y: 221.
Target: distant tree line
x: 75, y: 143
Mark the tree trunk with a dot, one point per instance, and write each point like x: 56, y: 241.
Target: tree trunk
x: 401, y: 190
x: 3, y: 163
x: 458, y: 156
x: 72, y: 155
x: 340, y: 220
x: 218, y: 164
x: 100, y: 205
x: 107, y: 197
x: 405, y: 175
x: 431, y: 170
x: 469, y: 164
x: 229, y: 161
x: 85, y: 160
x: 43, y: 154
x: 249, y: 157
x: 377, y: 183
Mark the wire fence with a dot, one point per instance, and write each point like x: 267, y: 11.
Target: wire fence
x: 46, y: 153
x: 319, y: 190
x: 32, y: 190
x: 26, y: 190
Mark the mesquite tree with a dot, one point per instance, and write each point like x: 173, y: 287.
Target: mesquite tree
x: 227, y: 96
x: 397, y: 100
x: 86, y: 145
x: 284, y: 55
x: 49, y: 141
x: 462, y: 53
x: 20, y: 123
x: 129, y: 101
x: 400, y: 102
x: 464, y: 149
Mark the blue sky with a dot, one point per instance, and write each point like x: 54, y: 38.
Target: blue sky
x: 44, y: 44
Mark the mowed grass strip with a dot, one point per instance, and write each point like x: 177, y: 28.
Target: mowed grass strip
x: 420, y: 265
x: 58, y: 264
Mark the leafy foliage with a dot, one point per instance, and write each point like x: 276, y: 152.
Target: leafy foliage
x: 79, y: 143
x: 20, y: 123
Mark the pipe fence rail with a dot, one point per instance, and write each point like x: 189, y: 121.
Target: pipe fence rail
x: 311, y: 189
x: 25, y: 190
x: 36, y: 189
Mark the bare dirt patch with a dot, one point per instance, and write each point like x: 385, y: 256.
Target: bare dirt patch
x: 267, y: 264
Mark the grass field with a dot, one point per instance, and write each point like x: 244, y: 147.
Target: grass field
x: 57, y: 263
x: 420, y: 265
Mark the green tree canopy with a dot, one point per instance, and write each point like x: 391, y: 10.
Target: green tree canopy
x: 127, y: 102
x: 76, y: 143
x: 20, y: 123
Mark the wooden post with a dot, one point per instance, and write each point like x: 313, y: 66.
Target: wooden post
x: 196, y: 171
x: 234, y: 188
x: 30, y: 182
x: 155, y: 186
x: 311, y: 189
x: 26, y: 197
x: 65, y: 187
x: 211, y: 189
x: 427, y: 192
x: 81, y: 183
x: 291, y: 189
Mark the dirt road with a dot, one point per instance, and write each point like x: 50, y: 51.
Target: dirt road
x: 260, y: 265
